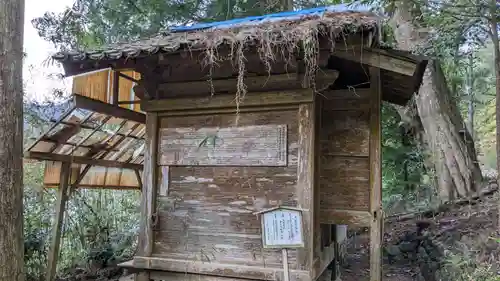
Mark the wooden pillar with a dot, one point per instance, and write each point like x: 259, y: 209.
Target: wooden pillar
x: 305, y: 186
x: 375, y: 178
x: 149, y: 192
x: 62, y: 197
x: 116, y: 87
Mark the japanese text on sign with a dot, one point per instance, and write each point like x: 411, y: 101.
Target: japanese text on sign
x: 282, y: 228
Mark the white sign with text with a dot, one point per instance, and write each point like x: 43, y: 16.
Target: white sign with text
x: 282, y: 228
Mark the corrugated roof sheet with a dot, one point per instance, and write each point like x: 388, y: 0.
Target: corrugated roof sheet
x: 256, y: 20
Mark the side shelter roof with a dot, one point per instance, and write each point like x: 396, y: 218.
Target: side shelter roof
x: 284, y: 30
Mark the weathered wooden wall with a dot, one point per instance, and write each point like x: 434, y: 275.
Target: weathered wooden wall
x: 344, y: 157
x: 205, y: 221
x: 213, y: 219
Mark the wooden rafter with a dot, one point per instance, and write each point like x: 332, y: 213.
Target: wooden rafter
x: 380, y: 59
x: 108, y: 109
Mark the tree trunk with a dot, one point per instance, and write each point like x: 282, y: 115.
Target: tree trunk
x: 496, y: 56
x: 11, y: 140
x: 446, y: 137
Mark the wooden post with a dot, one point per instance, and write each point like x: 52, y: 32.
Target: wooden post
x: 305, y: 186
x: 62, y: 197
x: 149, y: 192
x: 116, y: 87
x: 375, y: 178
x: 286, y: 269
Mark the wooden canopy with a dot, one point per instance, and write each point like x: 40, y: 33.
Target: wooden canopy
x: 104, y: 144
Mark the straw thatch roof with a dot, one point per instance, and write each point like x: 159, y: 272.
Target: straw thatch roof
x: 281, y: 28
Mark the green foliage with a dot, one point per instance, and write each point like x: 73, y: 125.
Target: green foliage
x: 402, y: 162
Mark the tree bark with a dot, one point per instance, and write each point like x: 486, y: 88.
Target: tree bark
x: 446, y: 137
x: 11, y: 140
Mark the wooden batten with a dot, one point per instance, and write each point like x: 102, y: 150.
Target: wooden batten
x: 218, y: 102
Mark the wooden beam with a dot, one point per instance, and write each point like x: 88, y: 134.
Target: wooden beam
x: 81, y: 160
x: 379, y: 59
x: 376, y: 224
x: 100, y: 186
x: 255, y: 99
x: 108, y: 109
x: 324, y: 78
x: 204, y: 268
x: 62, y: 197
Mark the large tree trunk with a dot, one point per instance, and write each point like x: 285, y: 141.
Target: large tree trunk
x: 11, y: 140
x: 450, y: 145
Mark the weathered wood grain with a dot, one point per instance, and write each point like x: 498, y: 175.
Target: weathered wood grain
x: 344, y: 184
x: 219, y: 269
x: 209, y: 210
x: 345, y: 133
x: 375, y: 178
x: 224, y: 146
x: 149, y: 191
x: 346, y: 217
x: 62, y: 198
x: 218, y: 101
x: 164, y: 180
x: 344, y: 168
x: 305, y: 182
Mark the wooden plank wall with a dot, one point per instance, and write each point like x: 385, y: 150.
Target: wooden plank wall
x: 212, y: 219
x: 344, y: 157
x: 99, y: 85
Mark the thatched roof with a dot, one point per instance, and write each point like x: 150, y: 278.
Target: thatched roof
x: 307, y: 31
x: 337, y: 19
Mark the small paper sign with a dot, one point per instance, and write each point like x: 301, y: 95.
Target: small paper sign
x: 282, y: 228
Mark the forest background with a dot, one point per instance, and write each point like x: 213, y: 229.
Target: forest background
x: 100, y: 227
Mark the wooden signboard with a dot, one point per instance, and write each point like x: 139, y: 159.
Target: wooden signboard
x: 282, y: 229
x: 264, y: 145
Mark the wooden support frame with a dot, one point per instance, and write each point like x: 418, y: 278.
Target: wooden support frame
x: 381, y: 59
x: 62, y: 198
x: 81, y: 160
x: 376, y: 211
x: 108, y: 109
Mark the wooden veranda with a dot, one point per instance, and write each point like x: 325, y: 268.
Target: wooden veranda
x: 98, y: 143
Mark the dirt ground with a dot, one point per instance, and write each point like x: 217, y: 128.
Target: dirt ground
x: 462, y: 230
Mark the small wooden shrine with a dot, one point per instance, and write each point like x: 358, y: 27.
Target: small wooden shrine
x: 277, y: 115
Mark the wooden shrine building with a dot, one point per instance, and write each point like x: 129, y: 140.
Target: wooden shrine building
x: 275, y: 114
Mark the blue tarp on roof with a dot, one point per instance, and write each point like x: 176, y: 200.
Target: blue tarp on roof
x: 271, y: 17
